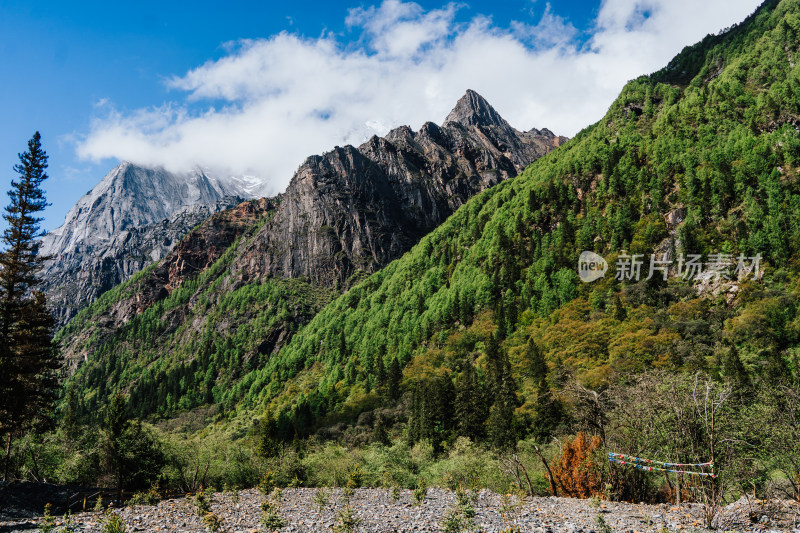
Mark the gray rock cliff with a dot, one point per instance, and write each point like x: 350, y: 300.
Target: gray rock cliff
x: 131, y: 218
x: 353, y: 210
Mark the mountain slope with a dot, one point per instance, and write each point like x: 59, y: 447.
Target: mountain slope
x: 701, y: 157
x: 345, y: 214
x: 130, y: 219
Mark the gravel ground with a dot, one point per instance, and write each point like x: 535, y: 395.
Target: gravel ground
x: 379, y: 512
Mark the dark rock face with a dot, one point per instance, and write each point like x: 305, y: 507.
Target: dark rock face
x: 132, y: 218
x: 354, y: 210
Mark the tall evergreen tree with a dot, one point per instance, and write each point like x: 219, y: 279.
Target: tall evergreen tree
x: 500, y: 424
x: 393, y: 377
x: 28, y: 360
x: 470, y: 404
x: 549, y: 412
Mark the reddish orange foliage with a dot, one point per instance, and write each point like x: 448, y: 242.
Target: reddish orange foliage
x: 577, y: 472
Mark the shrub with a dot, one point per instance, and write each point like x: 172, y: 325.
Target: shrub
x: 467, y: 465
x: 459, y: 517
x: 509, y: 508
x: 420, y: 491
x: 232, y: 492
x: 267, y: 483
x: 455, y: 522
x: 464, y: 501
x: 47, y: 523
x: 577, y: 472
x: 202, y: 503
x: 347, y: 521
x: 330, y: 465
x: 355, y: 478
x: 212, y: 522
x: 270, y: 515
x: 150, y: 497
x: 602, y: 525
x: 112, y: 523
x: 321, y: 499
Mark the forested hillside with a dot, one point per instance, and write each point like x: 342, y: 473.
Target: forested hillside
x: 499, y: 340
x: 460, y: 362
x: 235, y: 290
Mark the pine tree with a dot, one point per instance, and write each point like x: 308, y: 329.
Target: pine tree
x: 379, y: 433
x: 536, y: 363
x: 470, y: 405
x: 380, y: 366
x: 618, y: 309
x: 343, y: 353
x: 28, y: 361
x: 549, y: 412
x: 393, y: 377
x: 734, y: 370
x: 499, y: 425
x: 132, y: 456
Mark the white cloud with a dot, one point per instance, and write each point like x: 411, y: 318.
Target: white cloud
x: 281, y: 99
x: 551, y: 30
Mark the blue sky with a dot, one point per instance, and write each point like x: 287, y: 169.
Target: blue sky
x: 253, y: 87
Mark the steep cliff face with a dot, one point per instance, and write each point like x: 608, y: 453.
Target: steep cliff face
x: 131, y: 218
x: 346, y: 213
x: 353, y: 210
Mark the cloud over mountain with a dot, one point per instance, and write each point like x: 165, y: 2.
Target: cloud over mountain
x: 270, y: 102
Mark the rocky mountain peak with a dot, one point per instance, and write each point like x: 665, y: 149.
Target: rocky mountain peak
x: 130, y: 219
x: 472, y: 109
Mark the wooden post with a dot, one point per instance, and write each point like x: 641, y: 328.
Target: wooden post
x: 84, y: 503
x: 678, y: 489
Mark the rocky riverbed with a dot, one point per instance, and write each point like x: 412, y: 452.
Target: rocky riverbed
x: 379, y: 510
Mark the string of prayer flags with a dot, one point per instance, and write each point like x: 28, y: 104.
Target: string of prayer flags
x: 645, y: 464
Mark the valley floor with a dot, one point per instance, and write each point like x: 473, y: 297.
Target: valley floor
x: 378, y: 511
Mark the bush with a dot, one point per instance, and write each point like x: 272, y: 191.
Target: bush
x: 212, y: 521
x: 468, y: 466
x: 150, y: 497
x: 330, y: 465
x: 577, y: 472
x: 455, y: 522
x: 112, y: 523
x: 267, y: 483
x: 321, y: 499
x: 388, y: 466
x: 202, y: 502
x: 420, y: 491
x: 270, y: 515
x: 194, y: 462
x: 347, y: 521
x: 47, y: 523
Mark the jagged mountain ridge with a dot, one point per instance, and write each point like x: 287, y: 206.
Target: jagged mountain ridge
x: 352, y: 210
x: 131, y: 218
x: 345, y: 214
